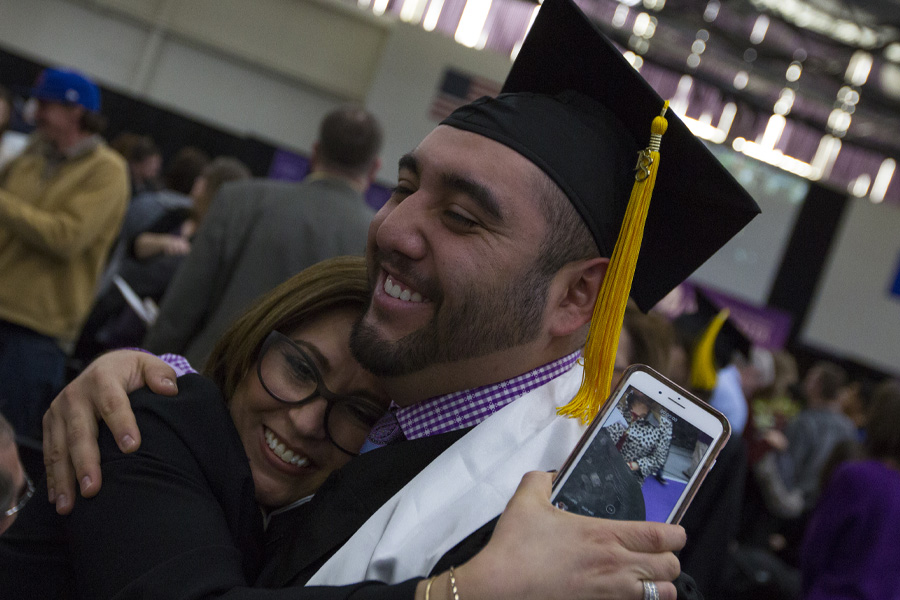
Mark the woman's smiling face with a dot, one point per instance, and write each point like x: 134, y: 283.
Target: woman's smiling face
x: 287, y: 444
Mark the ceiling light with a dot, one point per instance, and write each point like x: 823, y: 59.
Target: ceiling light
x: 892, y: 52
x: 883, y: 180
x: 741, y: 79
x: 760, y: 27
x: 711, y: 11
x: 379, y: 6
x: 793, y: 72
x: 859, y: 187
x: 433, y: 14
x: 641, y: 22
x: 620, y: 16
x: 471, y: 23
x: 859, y: 67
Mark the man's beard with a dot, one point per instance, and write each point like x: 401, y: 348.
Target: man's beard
x: 484, y: 321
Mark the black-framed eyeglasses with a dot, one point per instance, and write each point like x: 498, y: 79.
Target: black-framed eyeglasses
x: 23, y: 499
x: 290, y: 375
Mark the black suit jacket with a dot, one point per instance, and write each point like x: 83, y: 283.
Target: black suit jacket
x: 299, y: 542
x: 341, y: 506
x: 176, y: 519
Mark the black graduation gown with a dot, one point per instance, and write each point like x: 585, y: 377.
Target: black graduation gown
x: 299, y: 542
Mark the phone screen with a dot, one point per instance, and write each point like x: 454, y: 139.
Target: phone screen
x: 639, y: 464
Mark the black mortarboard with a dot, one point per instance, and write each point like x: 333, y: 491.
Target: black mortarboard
x: 587, y: 142
x: 574, y: 107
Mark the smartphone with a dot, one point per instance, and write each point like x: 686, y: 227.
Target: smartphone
x: 644, y: 455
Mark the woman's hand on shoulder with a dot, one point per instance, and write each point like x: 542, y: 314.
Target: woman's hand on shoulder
x: 70, y: 424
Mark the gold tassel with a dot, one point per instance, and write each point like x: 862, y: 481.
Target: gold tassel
x: 609, y: 310
x: 703, y: 362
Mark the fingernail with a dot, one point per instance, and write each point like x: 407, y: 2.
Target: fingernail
x: 85, y: 482
x: 62, y: 502
x: 128, y: 441
x: 168, y: 383
x: 51, y: 495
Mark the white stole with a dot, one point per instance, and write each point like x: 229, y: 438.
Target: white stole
x: 469, y: 484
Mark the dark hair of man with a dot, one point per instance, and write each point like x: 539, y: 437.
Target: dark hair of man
x: 882, y: 432
x: 92, y: 122
x: 6, y: 98
x: 7, y: 487
x: 651, y: 337
x: 567, y: 238
x: 217, y: 173
x: 144, y: 148
x: 184, y: 168
x: 830, y: 379
x: 349, y: 140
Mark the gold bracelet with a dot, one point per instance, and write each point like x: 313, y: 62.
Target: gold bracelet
x: 453, y: 585
x: 428, y: 588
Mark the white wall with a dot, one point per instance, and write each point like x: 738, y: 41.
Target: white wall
x: 273, y: 71
x: 853, y: 313
x: 746, y: 267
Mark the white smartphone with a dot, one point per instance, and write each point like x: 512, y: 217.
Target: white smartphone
x: 645, y: 454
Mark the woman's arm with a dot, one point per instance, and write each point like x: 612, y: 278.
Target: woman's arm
x: 177, y: 518
x: 70, y: 424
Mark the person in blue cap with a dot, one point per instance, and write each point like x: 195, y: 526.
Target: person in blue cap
x: 61, y: 204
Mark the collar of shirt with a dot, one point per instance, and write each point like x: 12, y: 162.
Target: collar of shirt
x: 468, y: 408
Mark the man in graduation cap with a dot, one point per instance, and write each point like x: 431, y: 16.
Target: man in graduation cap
x: 493, y: 261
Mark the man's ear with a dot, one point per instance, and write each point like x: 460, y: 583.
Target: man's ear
x: 573, y: 293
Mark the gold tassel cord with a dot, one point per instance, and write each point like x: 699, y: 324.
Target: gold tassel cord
x: 703, y: 362
x: 609, y: 309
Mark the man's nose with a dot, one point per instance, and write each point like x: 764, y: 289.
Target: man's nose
x: 403, y: 228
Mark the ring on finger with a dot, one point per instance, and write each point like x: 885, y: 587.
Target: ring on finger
x: 651, y: 592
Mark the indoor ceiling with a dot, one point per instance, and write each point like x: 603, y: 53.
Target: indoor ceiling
x: 819, y: 37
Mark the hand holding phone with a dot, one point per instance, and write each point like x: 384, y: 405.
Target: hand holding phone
x: 644, y: 455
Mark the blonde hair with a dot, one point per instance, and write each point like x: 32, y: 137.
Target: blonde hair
x: 335, y: 283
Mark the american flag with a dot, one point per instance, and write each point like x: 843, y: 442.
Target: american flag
x: 458, y: 88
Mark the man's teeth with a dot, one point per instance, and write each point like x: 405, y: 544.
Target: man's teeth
x: 288, y: 456
x: 395, y: 291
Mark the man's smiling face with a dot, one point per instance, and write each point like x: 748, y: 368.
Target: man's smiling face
x: 453, y: 257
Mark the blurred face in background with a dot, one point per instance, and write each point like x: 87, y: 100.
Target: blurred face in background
x: 57, y: 122
x: 5, y: 114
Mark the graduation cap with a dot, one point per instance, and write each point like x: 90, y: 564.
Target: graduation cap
x: 715, y: 341
x: 575, y: 107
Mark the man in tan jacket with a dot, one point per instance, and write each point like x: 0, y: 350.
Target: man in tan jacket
x: 61, y: 205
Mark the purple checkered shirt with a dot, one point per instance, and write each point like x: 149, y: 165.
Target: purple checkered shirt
x: 468, y: 408
x: 176, y: 361
x: 449, y: 412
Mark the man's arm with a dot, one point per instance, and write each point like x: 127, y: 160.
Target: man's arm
x: 540, y: 552
x: 97, y: 205
x: 193, y: 291
x: 70, y: 424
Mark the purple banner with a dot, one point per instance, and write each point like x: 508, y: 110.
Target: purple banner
x: 895, y: 289
x: 765, y: 326
x: 290, y: 166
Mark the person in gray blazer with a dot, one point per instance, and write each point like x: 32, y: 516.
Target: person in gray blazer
x: 258, y: 233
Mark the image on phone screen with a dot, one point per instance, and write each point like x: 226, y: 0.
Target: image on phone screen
x: 638, y: 464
